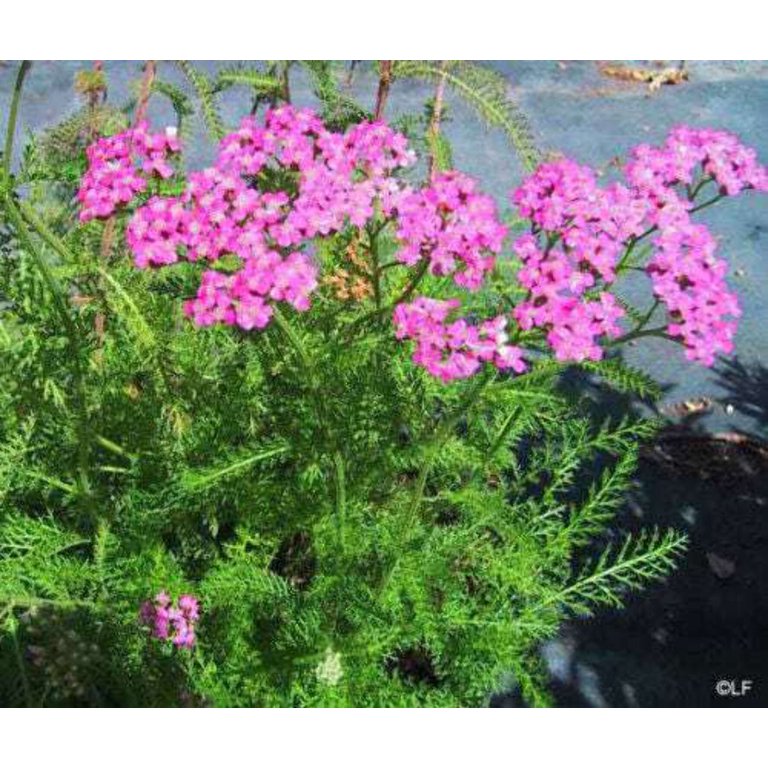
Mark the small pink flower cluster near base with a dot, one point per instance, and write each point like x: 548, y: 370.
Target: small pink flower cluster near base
x: 118, y: 167
x: 172, y: 621
x: 454, y: 349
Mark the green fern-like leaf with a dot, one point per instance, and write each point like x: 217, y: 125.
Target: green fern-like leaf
x: 196, y: 481
x: 440, y: 150
x: 647, y: 557
x: 339, y: 109
x: 206, y: 99
x: 262, y: 83
x: 625, y: 378
x: 591, y: 517
x: 486, y: 91
x: 179, y: 100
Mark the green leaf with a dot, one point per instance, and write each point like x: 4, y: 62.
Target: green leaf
x: 647, y: 557
x: 487, y: 92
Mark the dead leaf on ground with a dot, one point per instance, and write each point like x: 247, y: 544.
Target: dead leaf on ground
x: 688, y: 407
x: 654, y: 77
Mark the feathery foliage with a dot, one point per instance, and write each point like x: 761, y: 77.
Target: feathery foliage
x: 487, y: 93
x: 358, y: 533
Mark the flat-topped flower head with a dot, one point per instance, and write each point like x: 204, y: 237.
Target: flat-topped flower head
x: 332, y: 181
x: 119, y: 166
x: 690, y: 155
x: 451, y: 225
x: 454, y: 349
x: 579, y: 232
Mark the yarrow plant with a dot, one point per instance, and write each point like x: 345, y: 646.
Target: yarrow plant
x: 317, y: 392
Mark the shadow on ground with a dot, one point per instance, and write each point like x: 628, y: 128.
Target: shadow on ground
x: 709, y: 621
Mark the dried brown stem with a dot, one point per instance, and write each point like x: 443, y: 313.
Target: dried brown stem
x: 434, y: 123
x: 385, y: 80
x: 145, y: 91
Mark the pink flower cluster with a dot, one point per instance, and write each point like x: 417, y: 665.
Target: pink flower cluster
x: 241, y: 298
x: 278, y: 185
x: 686, y: 275
x: 691, y: 153
x: 580, y: 231
x: 454, y: 349
x: 453, y: 226
x: 690, y: 281
x: 335, y: 180
x: 173, y: 621
x: 118, y: 167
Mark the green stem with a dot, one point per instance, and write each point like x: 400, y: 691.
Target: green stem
x: 706, y: 204
x: 62, y: 308
x: 659, y: 332
x: 404, y: 296
x: 502, y: 434
x: 373, y: 237
x: 411, y: 287
x: 440, y: 435
x: 320, y: 410
x: 340, y: 495
x: 13, y: 115
x: 390, y: 265
x: 702, y: 183
x: 645, y: 234
x: 625, y: 258
x: 285, y: 81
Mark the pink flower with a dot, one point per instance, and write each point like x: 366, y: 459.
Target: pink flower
x: 580, y: 230
x: 118, y: 167
x: 338, y: 178
x: 452, y: 226
x: 169, y: 621
x: 456, y: 349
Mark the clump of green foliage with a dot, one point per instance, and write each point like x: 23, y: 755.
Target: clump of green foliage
x: 358, y: 533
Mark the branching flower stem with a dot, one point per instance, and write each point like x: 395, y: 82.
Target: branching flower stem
x: 406, y: 294
x: 385, y: 80
x: 434, y: 123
